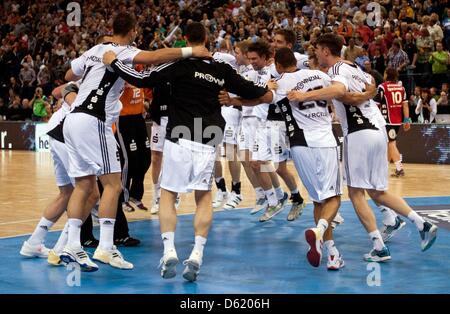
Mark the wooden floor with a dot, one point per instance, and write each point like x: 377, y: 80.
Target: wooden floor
x: 27, y: 185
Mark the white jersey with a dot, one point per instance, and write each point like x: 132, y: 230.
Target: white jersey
x: 354, y: 118
x: 225, y: 57
x: 100, y: 88
x: 302, y: 64
x: 312, y: 126
x: 247, y: 72
x: 263, y: 76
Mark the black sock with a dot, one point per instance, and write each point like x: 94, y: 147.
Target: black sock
x: 221, y: 185
x: 236, y: 187
x: 296, y: 198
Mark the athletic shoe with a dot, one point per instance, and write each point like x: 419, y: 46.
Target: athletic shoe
x: 233, y: 200
x: 428, y: 235
x: 112, y: 257
x: 219, y: 199
x: 168, y: 264
x: 335, y: 263
x: 137, y: 204
x: 90, y: 243
x: 284, y: 200
x: 126, y: 207
x: 271, y: 211
x: 177, y: 202
x: 261, y: 204
x: 296, y: 210
x: 38, y: 250
x: 72, y: 254
x: 398, y: 173
x: 338, y: 220
x: 378, y: 256
x: 155, y: 206
x: 127, y: 241
x: 53, y: 258
x: 389, y: 231
x: 192, y: 264
x: 315, y: 243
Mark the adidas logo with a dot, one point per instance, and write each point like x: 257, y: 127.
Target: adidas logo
x: 44, y: 227
x: 165, y: 239
x: 332, y: 188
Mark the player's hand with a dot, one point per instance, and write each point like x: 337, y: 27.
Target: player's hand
x: 109, y: 57
x: 272, y: 84
x: 294, y: 95
x: 224, y: 98
x: 201, y: 52
x: 406, y: 126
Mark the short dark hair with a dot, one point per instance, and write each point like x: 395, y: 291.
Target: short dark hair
x: 261, y: 48
x: 289, y: 36
x: 285, y: 57
x: 332, y: 42
x: 123, y: 23
x: 391, y: 74
x: 196, y: 33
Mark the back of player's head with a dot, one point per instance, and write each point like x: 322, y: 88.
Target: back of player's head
x: 391, y: 74
x: 285, y: 57
x: 123, y: 23
x: 261, y: 48
x: 196, y: 33
x: 332, y: 42
x: 289, y: 36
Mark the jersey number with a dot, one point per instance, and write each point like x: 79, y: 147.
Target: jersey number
x: 397, y: 96
x: 310, y: 104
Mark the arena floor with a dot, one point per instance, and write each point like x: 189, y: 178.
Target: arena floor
x: 241, y: 256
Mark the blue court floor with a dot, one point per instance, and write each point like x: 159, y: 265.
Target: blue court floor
x: 245, y: 256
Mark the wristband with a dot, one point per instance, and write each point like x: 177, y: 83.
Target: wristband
x: 407, y: 120
x: 70, y: 88
x: 186, y: 52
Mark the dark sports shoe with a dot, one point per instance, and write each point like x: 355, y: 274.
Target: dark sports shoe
x: 428, y: 235
x: 128, y: 241
x: 398, y: 173
x: 389, y: 231
x: 91, y: 243
x: 378, y: 256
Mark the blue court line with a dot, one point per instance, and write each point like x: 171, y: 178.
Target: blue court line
x: 245, y: 256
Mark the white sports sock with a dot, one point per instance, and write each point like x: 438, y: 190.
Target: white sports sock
x: 106, y: 233
x: 322, y: 225
x: 377, y: 240
x: 398, y: 165
x: 295, y: 191
x: 259, y: 192
x: 271, y: 197
x: 416, y: 219
x: 168, y: 241
x: 388, y: 215
x: 73, y: 236
x: 218, y: 179
x: 40, y: 231
x: 156, y: 190
x: 280, y: 193
x: 331, y: 248
x: 199, y: 244
x: 62, y: 240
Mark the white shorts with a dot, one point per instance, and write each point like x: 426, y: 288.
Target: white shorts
x: 91, y: 146
x: 247, y: 132
x: 230, y: 134
x: 60, y: 158
x: 187, y: 166
x: 159, y: 135
x: 271, y: 143
x: 365, y: 160
x: 318, y: 168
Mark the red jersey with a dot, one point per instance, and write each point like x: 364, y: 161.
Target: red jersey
x: 391, y: 96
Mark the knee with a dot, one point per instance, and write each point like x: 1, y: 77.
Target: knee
x: 375, y: 195
x: 255, y: 165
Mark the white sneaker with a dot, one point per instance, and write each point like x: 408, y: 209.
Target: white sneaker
x: 168, y: 264
x: 126, y: 207
x: 338, y: 220
x: 261, y: 204
x: 233, y: 200
x: 335, y: 262
x: 192, y: 264
x: 29, y: 250
x: 112, y: 257
x: 77, y: 255
x: 155, y: 206
x: 219, y: 199
x: 177, y: 202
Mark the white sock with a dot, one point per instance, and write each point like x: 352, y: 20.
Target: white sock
x: 322, y: 225
x: 156, y: 190
x: 416, y: 219
x: 280, y: 193
x: 331, y: 248
x: 168, y: 241
x: 62, y: 240
x: 40, y: 231
x: 271, y: 197
x: 199, y: 244
x: 295, y: 191
x: 73, y: 236
x: 398, y: 165
x: 377, y: 240
x: 218, y: 179
x: 259, y: 192
x: 106, y: 233
x: 388, y: 215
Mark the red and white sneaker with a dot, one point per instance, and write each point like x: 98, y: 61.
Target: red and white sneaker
x: 335, y: 262
x: 315, y: 242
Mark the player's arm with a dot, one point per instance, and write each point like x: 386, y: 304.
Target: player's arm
x: 226, y: 100
x: 335, y: 91
x: 170, y: 54
x: 406, y: 119
x: 71, y: 76
x: 57, y: 91
x: 354, y: 98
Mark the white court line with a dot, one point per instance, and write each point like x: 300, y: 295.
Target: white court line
x: 183, y: 214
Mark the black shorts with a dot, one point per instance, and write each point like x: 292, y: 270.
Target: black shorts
x: 392, y: 131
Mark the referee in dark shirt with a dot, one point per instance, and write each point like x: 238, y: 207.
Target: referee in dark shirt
x: 194, y: 130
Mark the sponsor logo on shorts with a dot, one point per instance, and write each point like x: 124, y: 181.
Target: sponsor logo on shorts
x: 155, y: 138
x: 278, y: 149
x: 133, y: 146
x: 147, y: 143
x: 229, y: 133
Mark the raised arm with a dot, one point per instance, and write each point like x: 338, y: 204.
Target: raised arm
x: 170, y: 54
